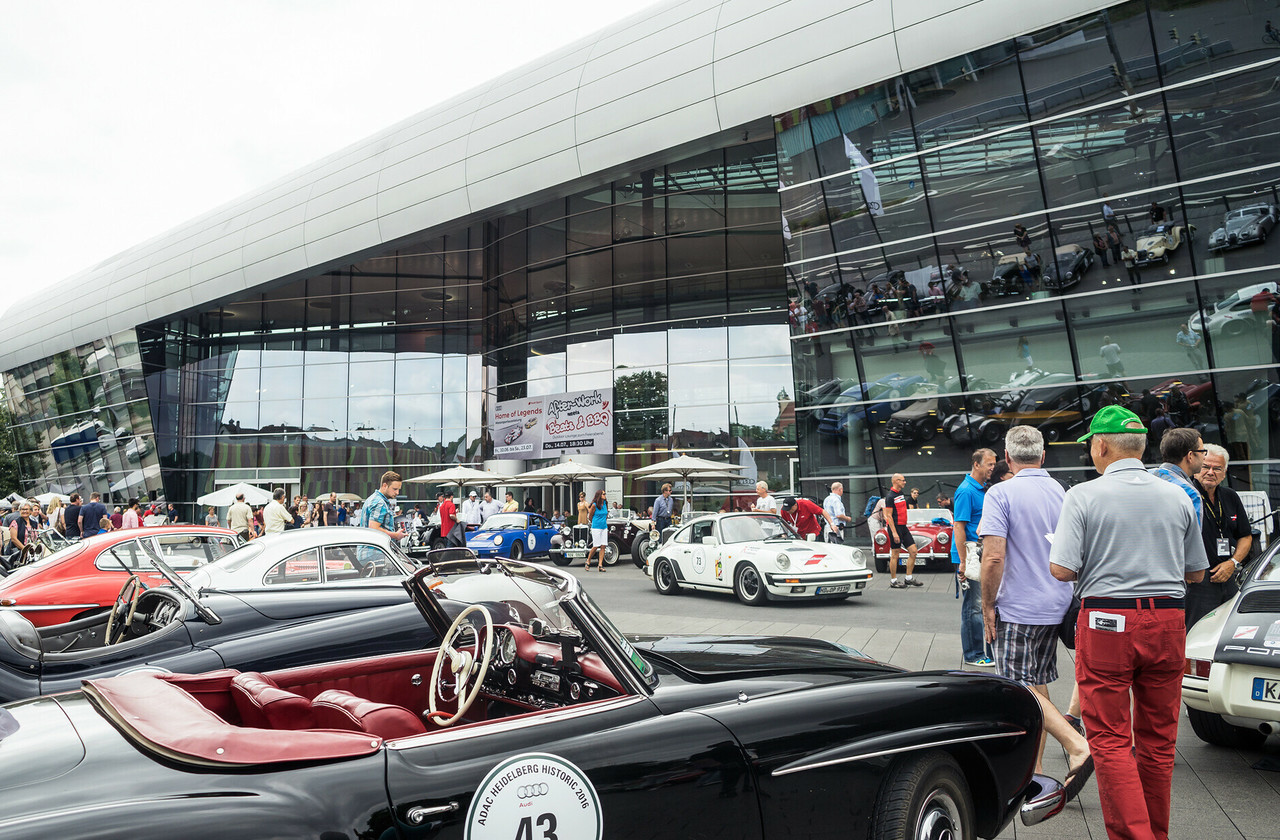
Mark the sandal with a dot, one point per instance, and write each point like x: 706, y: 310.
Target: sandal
x: 601, y: 568
x: 1074, y: 783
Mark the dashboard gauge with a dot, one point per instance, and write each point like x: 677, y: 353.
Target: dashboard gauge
x: 506, y: 648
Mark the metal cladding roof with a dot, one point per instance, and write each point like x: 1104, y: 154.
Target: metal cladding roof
x: 672, y: 74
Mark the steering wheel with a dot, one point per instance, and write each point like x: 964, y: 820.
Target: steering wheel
x: 122, y: 610
x: 467, y: 667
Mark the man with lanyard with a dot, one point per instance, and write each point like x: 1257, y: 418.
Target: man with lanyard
x: 967, y: 514
x: 1132, y: 543
x: 378, y: 512
x: 662, y: 509
x: 1183, y: 455
x: 834, y: 506
x: 899, y: 535
x: 1227, y: 537
x: 802, y: 515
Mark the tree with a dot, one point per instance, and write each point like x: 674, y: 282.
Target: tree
x: 17, y: 470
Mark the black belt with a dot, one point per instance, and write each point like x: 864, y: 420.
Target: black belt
x: 1132, y: 603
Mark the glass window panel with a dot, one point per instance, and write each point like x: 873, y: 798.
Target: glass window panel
x: 373, y: 378
x: 632, y: 428
x: 325, y: 380
x: 997, y: 347
x: 420, y: 306
x: 757, y: 340
x: 699, y: 427
x: 238, y: 417
x: 641, y: 211
x: 640, y: 303
x: 1121, y: 334
x: 1234, y: 320
x: 543, y: 387
x: 277, y: 415
x: 589, y: 230
x: 590, y: 310
x: 699, y: 383
x: 585, y: 356
x: 698, y: 344
x: 639, y: 261
x: 760, y: 380
x: 640, y: 350
x: 591, y: 271
x: 418, y: 374
x: 546, y: 241
x: 417, y: 412
x: 282, y: 383
x: 587, y: 381
x: 640, y: 389
x: 1234, y: 218
x: 754, y: 247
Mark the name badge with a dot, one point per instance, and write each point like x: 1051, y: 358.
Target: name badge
x: 1110, y: 622
x: 1224, y: 547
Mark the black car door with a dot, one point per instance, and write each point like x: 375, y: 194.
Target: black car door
x: 614, y: 768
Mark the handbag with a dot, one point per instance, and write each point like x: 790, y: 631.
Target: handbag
x: 973, y: 560
x: 1067, y: 627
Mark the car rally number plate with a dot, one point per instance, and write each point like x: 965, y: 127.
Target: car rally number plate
x: 535, y: 796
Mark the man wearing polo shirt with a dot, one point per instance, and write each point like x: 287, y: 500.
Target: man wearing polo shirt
x: 967, y: 513
x: 1132, y: 543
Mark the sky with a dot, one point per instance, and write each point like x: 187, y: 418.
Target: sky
x: 125, y: 118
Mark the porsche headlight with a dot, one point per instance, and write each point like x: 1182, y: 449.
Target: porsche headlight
x: 881, y: 539
x: 944, y: 538
x: 497, y: 540
x: 857, y: 558
x: 784, y: 562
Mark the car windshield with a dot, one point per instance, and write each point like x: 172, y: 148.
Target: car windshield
x: 1247, y: 212
x: 239, y: 558
x: 754, y: 527
x: 505, y: 522
x: 923, y: 516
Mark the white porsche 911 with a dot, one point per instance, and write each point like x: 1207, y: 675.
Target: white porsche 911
x: 1231, y: 683
x: 758, y: 557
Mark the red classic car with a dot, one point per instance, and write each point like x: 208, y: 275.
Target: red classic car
x: 932, y: 536
x: 86, y: 577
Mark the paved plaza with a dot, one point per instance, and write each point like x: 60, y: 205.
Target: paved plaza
x: 1217, y: 792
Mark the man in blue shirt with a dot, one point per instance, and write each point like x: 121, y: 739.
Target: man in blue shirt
x: 662, y: 509
x: 967, y: 513
x: 1183, y: 453
x: 378, y: 512
x: 91, y: 515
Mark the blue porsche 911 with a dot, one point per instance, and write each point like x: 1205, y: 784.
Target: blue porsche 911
x: 513, y: 535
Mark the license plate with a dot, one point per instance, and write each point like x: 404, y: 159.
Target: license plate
x: 1268, y: 691
x: 828, y: 590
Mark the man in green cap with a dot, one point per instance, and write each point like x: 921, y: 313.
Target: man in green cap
x: 1131, y: 542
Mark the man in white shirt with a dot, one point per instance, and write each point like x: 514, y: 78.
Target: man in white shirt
x: 470, y: 513
x: 764, y: 502
x: 275, y: 516
x: 489, y: 506
x: 239, y: 517
x: 834, y: 506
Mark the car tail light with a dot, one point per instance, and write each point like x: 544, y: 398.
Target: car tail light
x: 1198, y: 668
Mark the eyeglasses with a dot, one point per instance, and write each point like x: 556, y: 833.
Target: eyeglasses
x: 1207, y: 468
x: 1200, y: 451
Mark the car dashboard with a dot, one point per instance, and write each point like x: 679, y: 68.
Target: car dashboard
x: 544, y: 672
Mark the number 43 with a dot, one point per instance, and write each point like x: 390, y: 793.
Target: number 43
x: 545, y: 821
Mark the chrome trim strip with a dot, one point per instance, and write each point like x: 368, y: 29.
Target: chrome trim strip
x: 40, y: 607
x: 864, y: 756
x: 444, y: 736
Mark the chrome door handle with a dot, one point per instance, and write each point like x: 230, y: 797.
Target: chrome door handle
x: 418, y: 814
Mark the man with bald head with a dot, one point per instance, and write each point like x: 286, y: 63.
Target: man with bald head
x: 895, y: 504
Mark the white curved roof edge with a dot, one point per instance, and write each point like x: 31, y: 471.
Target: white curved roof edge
x: 672, y: 74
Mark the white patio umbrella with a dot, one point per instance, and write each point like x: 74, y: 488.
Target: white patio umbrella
x: 45, y: 498
x: 342, y: 497
x: 226, y: 496
x: 461, y: 476
x: 562, y: 473
x: 686, y: 468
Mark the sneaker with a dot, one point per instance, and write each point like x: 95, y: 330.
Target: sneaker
x: 914, y: 582
x: 897, y: 584
x: 984, y: 662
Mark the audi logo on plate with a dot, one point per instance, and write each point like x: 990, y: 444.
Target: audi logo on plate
x: 530, y: 791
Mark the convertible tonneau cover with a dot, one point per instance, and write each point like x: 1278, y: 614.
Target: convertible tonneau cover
x: 159, y: 714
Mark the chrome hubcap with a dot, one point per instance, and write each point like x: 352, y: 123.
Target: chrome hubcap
x: 939, y: 818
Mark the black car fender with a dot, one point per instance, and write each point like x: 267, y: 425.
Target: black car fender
x: 842, y: 738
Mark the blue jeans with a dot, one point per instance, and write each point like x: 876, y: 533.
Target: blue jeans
x: 971, y: 634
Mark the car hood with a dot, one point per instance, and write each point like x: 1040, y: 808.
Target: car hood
x: 1245, y: 630
x: 1148, y: 242
x: 717, y: 658
x: 1241, y: 222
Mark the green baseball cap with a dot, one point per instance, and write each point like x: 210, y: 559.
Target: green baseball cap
x: 1114, y: 420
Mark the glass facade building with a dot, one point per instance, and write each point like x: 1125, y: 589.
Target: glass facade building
x: 877, y: 282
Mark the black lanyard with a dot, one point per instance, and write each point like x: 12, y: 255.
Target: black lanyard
x: 1219, y: 519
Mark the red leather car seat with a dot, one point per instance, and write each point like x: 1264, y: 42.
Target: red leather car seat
x: 263, y: 704
x: 337, y: 709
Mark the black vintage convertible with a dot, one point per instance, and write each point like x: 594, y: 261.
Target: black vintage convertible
x: 535, y: 719
x: 175, y: 629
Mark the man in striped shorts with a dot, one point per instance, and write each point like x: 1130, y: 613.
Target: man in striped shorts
x: 1022, y: 603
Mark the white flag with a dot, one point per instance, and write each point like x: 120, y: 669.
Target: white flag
x: 866, y: 177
